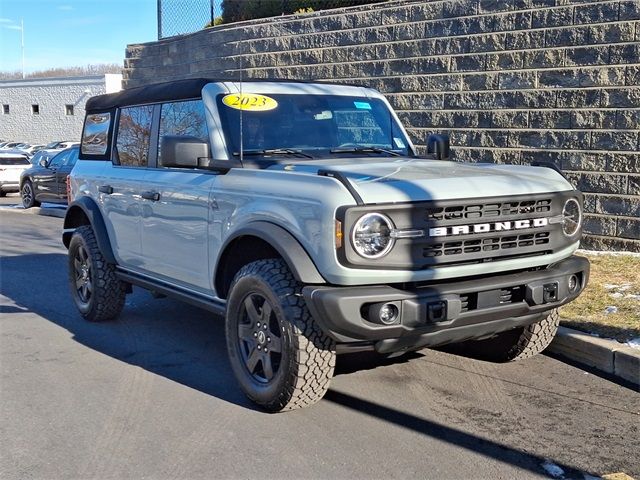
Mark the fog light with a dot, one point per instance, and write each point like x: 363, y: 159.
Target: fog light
x: 388, y: 313
x: 573, y: 283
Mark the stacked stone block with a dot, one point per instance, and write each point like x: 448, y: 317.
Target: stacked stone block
x: 510, y: 81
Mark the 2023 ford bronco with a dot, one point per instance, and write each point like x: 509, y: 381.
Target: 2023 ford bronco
x: 303, y: 214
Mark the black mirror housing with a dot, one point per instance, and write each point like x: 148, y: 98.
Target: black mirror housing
x: 439, y: 146
x: 183, y: 151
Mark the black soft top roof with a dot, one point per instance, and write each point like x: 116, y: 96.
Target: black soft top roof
x: 157, y: 92
x: 164, y: 92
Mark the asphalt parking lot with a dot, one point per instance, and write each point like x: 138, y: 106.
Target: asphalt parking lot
x: 152, y: 396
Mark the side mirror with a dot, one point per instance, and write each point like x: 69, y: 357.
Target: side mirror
x: 43, y: 162
x: 183, y: 151
x: 439, y: 146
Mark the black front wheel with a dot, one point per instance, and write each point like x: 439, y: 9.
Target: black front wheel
x: 96, y: 290
x: 279, y: 355
x: 28, y: 195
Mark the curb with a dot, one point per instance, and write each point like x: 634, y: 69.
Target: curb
x: 606, y: 355
x: 45, y: 212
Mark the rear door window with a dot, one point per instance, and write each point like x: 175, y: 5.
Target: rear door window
x: 134, y: 133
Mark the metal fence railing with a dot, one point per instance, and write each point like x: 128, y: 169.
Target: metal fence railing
x: 176, y: 17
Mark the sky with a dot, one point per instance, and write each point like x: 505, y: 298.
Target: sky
x: 69, y: 33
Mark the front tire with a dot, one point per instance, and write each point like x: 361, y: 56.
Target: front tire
x: 279, y: 355
x: 516, y: 344
x: 28, y: 195
x: 96, y: 290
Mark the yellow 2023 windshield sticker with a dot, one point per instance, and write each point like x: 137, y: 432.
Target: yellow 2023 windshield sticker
x: 249, y: 101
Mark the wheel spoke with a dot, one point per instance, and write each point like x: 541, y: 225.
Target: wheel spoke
x: 252, y: 361
x: 275, y: 345
x: 83, y: 291
x: 79, y: 282
x: 89, y: 286
x: 251, y: 310
x: 245, y: 332
x: 267, y: 367
x: 77, y: 264
x: 83, y: 253
x: 266, y: 311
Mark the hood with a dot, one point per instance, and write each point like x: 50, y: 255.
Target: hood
x: 405, y: 180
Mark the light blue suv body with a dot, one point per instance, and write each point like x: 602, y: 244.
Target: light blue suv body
x: 185, y: 184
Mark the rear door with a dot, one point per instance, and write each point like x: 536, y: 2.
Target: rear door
x: 63, y: 172
x: 175, y: 223
x: 45, y: 178
x: 120, y: 193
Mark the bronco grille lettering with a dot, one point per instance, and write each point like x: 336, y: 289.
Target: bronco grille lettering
x: 488, y: 227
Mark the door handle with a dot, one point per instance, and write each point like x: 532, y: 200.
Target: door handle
x: 108, y: 189
x: 153, y: 196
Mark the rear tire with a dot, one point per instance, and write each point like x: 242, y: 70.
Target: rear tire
x: 28, y: 195
x: 516, y: 344
x: 279, y: 355
x: 2, y: 193
x: 96, y: 290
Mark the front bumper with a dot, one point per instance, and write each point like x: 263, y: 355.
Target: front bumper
x: 440, y: 313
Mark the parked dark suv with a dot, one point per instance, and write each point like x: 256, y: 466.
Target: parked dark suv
x: 47, y: 180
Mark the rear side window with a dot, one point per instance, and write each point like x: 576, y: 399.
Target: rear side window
x: 14, y: 161
x: 183, y: 119
x: 95, y: 134
x: 134, y: 132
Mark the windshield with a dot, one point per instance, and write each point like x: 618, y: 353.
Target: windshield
x: 314, y: 124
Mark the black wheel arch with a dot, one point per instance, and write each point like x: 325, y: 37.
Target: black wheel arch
x: 260, y: 240
x: 85, y: 211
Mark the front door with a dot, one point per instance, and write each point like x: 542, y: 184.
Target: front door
x: 175, y: 216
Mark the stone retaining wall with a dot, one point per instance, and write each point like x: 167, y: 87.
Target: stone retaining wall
x: 511, y: 81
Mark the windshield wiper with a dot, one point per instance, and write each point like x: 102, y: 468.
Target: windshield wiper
x: 365, y: 150
x: 274, y: 151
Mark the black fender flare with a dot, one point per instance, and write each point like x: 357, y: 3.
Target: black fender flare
x: 289, y: 248
x: 92, y: 212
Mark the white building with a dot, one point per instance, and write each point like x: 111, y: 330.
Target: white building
x: 42, y: 110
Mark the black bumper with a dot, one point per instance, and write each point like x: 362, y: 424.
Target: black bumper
x: 440, y: 313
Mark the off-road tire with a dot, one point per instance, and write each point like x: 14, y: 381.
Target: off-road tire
x: 28, y: 195
x: 107, y: 295
x: 307, y: 356
x: 516, y: 344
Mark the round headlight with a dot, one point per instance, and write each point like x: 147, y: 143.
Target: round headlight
x: 371, y: 235
x: 571, y: 217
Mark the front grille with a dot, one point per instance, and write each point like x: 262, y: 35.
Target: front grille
x: 493, y: 211
x: 472, y: 232
x: 488, y: 245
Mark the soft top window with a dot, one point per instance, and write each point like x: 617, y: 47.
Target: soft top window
x: 95, y: 136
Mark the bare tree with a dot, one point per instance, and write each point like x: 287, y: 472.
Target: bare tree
x: 79, y: 71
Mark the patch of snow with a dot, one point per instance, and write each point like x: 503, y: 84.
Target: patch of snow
x: 611, y: 286
x: 624, y: 287
x: 611, y: 309
x: 632, y: 296
x: 613, y: 254
x: 616, y: 295
x: 634, y: 342
x: 552, y: 469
